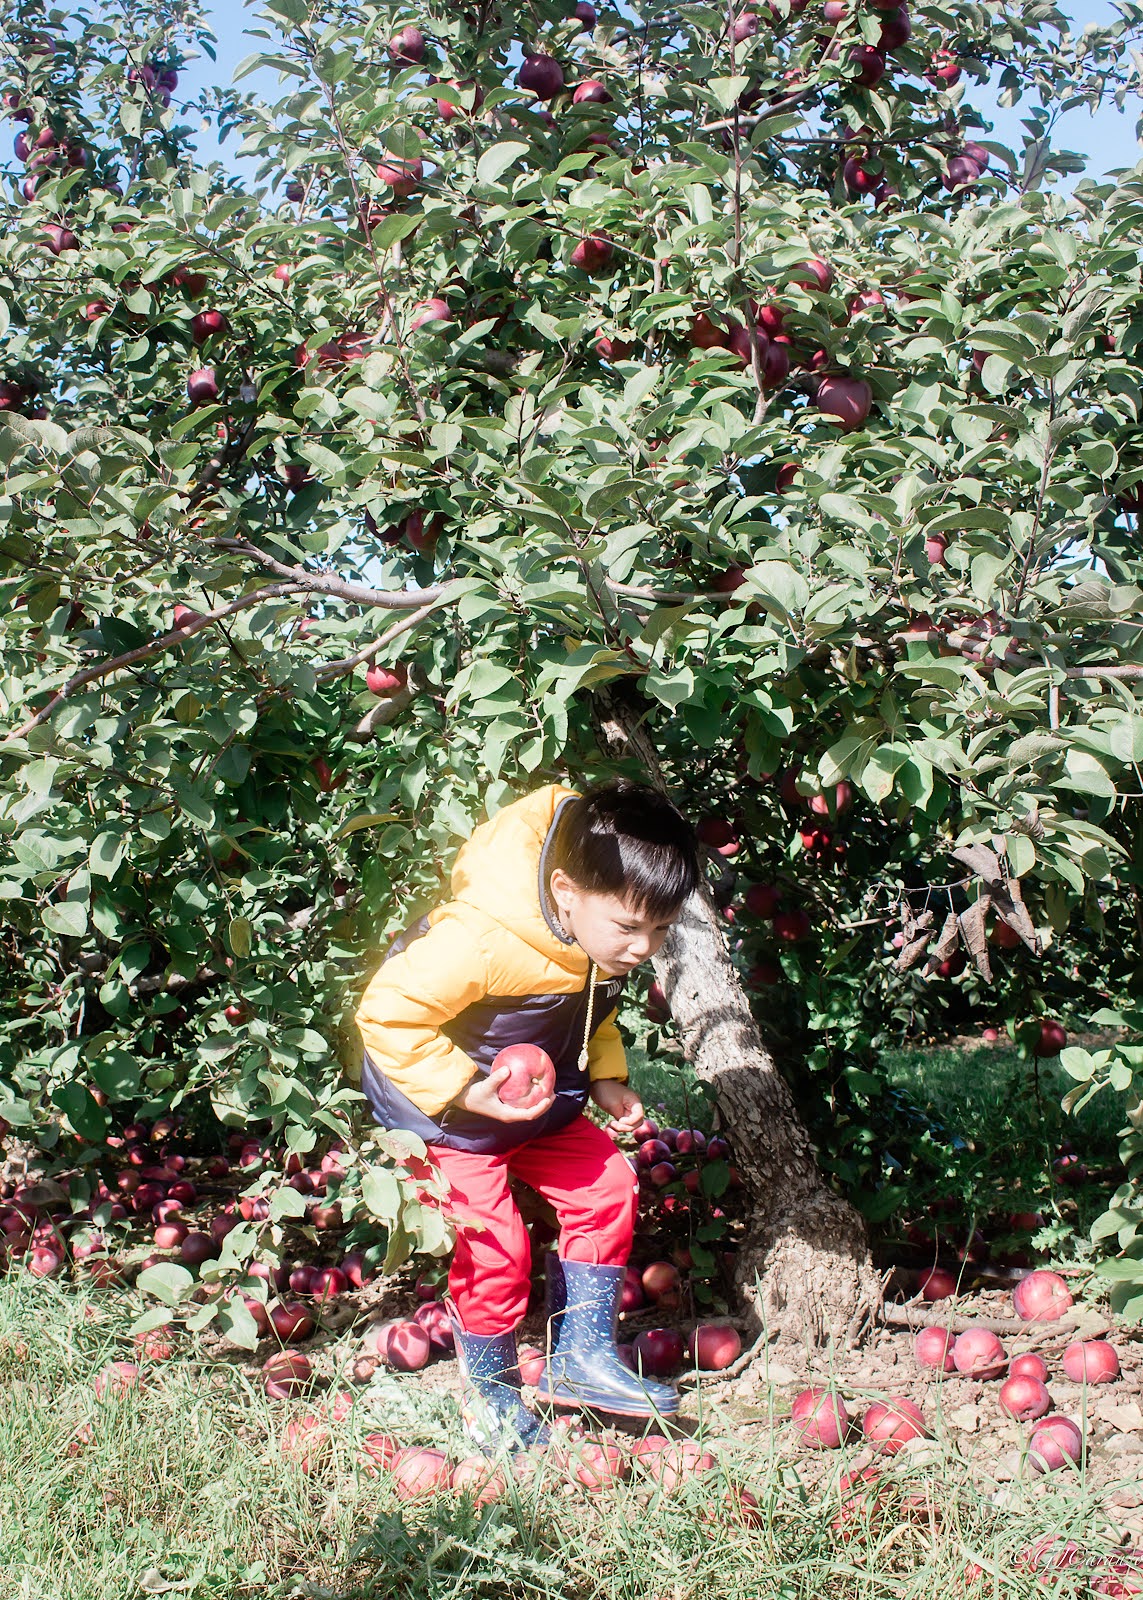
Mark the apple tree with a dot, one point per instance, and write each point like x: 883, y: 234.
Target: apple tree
x: 695, y: 392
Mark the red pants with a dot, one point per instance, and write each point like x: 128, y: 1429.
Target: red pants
x: 585, y: 1177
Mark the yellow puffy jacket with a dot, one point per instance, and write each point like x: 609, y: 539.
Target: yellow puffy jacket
x: 489, y: 968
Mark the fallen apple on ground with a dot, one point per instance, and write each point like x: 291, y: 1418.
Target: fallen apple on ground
x: 821, y: 1418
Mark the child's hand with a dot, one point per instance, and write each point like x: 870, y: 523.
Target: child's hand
x: 622, y: 1104
x: 481, y: 1095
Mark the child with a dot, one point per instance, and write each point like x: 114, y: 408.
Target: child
x: 554, y: 901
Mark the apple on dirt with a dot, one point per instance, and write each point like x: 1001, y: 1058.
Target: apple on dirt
x: 978, y: 1353
x: 933, y: 1348
x: 531, y: 1078
x: 1024, y: 1397
x: 713, y: 1346
x: 1042, y: 1296
x: 937, y: 1284
x: 821, y: 1418
x: 480, y: 1478
x: 1091, y: 1361
x: 889, y: 1425
x: 1055, y: 1442
x: 670, y: 1462
x: 658, y: 1352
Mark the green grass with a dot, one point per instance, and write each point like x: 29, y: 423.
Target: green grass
x: 182, y: 1490
x: 1013, y: 1125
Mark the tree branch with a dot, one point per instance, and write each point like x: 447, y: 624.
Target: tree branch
x: 319, y: 583
x: 146, y: 652
x: 332, y: 669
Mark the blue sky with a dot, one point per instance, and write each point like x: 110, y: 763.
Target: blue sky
x: 1107, y: 140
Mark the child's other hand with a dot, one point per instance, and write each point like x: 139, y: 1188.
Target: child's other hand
x: 622, y: 1104
x: 481, y: 1095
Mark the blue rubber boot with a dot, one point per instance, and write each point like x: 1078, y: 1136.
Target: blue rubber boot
x: 495, y: 1417
x: 584, y: 1368
x: 555, y: 1298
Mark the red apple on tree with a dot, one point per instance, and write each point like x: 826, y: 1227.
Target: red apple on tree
x: 594, y: 254
x: 791, y: 926
x: 895, y: 30
x: 387, y: 680
x: 205, y: 324
x: 869, y: 62
x: 542, y: 74
x: 592, y: 92
x: 814, y: 274
x: 944, y: 72
x: 960, y: 173
x: 408, y: 46
x: 202, y: 386
x: 844, y: 399
x: 762, y: 899
x: 1052, y: 1038
x: 719, y: 835
x: 609, y: 348
x: 858, y: 178
x: 432, y: 310
x: 401, y: 174
x: 59, y: 238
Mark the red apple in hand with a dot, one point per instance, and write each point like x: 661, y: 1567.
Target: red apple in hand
x: 531, y: 1078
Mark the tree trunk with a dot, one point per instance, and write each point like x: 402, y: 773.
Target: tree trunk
x: 804, y: 1270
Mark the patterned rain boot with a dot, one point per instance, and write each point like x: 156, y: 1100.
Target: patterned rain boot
x: 495, y: 1417
x: 584, y: 1368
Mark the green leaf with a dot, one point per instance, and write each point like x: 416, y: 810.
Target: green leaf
x: 496, y: 160
x: 167, y: 1282
x: 116, y: 1073
x: 85, y: 1116
x: 69, y: 918
x: 381, y: 1193
x: 106, y: 854
x: 237, y: 1323
x: 240, y: 935
x: 287, y: 1203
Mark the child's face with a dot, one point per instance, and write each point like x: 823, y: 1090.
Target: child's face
x: 605, y: 927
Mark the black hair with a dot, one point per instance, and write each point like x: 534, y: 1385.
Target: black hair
x: 628, y: 840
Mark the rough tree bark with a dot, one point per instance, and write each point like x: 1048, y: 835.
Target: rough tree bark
x: 804, y: 1270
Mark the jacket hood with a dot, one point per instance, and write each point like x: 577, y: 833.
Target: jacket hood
x: 498, y: 872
